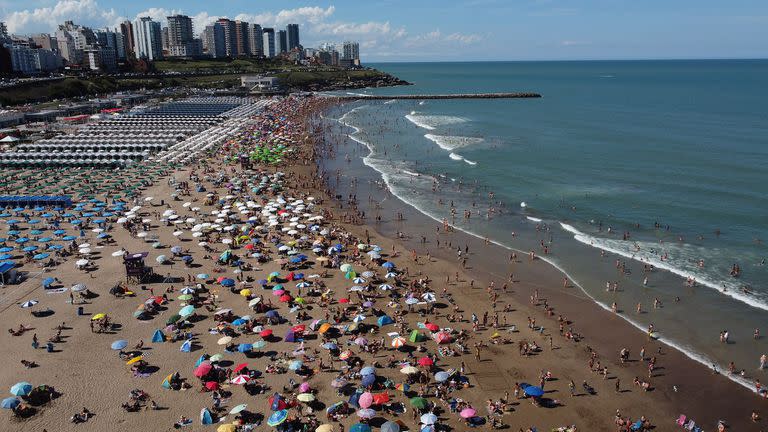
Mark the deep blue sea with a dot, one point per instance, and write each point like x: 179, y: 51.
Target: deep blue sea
x: 653, y: 162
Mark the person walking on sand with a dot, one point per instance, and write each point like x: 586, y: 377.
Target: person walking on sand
x: 763, y: 361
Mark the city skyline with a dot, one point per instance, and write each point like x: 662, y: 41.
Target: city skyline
x: 394, y: 30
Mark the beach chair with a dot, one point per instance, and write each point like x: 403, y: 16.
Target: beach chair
x: 691, y: 424
x: 681, y: 420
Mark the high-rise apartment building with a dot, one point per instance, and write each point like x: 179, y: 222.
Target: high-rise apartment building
x: 214, y: 41
x: 269, y: 42
x: 180, y: 30
x: 129, y: 43
x: 3, y: 31
x: 46, y: 41
x: 230, y: 37
x: 148, y: 37
x: 242, y: 41
x: 282, y: 41
x: 256, y: 40
x: 293, y: 36
x: 350, y: 51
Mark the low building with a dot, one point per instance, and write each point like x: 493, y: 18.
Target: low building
x: 10, y: 118
x: 193, y: 49
x: 42, y: 116
x: 260, y: 83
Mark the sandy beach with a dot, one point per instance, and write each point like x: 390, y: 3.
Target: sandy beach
x: 515, y: 341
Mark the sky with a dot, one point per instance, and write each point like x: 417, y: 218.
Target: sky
x: 469, y: 30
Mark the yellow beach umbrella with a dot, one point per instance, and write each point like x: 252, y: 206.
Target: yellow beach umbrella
x: 325, y: 428
x: 228, y: 427
x: 245, y: 292
x: 134, y: 360
x: 98, y: 316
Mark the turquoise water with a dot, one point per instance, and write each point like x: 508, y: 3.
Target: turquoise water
x: 673, y: 153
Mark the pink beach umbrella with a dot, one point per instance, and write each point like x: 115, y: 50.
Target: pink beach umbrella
x: 468, y: 413
x: 366, y: 400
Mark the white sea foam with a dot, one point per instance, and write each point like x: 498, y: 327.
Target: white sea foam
x: 455, y: 156
x: 431, y: 122
x: 391, y: 101
x: 680, y: 260
x: 533, y: 219
x: 452, y: 142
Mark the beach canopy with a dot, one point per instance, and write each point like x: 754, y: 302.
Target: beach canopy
x: 390, y: 426
x: 277, y: 417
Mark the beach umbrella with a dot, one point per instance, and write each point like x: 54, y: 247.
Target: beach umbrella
x: 534, y: 391
x: 186, y: 346
x: 365, y: 400
x: 431, y: 327
x: 366, y: 413
x: 29, y: 249
x: 398, y: 342
x: 443, y: 338
x: 216, y: 358
x: 41, y: 256
x: 442, y: 376
x: 240, y: 379
x: 468, y: 413
x: 428, y: 419
x: 238, y: 409
x: 360, y: 427
x: 224, y: 340
x: 158, y: 336
x: 203, y: 276
x: 426, y: 361
x: 326, y: 428
x: 202, y: 369
x: 368, y: 380
x: 10, y: 403
x: 187, y: 310
x: 29, y: 303
x: 119, y: 344
x: 390, y: 426
x: 306, y: 397
x: 244, y: 347
x: 259, y: 344
x: 277, y: 418
x: 79, y: 287
x: 295, y: 365
x: 419, y: 403
x: 21, y: 389
x: 173, y: 319
x: 227, y: 427
x: 227, y: 282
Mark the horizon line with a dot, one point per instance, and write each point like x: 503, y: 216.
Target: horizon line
x: 574, y: 60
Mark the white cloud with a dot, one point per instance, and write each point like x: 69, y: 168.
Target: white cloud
x: 42, y: 19
x: 437, y: 38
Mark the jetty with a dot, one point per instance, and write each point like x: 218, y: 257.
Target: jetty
x: 442, y: 96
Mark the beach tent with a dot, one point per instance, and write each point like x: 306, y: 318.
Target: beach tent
x: 205, y: 417
x: 186, y: 346
x: 384, y: 320
x: 416, y: 336
x: 158, y: 337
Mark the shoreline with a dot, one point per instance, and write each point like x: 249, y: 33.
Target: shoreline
x: 694, y: 372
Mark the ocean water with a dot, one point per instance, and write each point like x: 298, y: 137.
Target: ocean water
x: 629, y: 162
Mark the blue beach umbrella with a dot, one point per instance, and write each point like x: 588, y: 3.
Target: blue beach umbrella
x: 45, y: 240
x: 119, y: 344
x: 6, y: 256
x: 29, y: 248
x: 10, y: 403
x: 277, y: 418
x: 21, y: 389
x: 6, y: 249
x: 48, y: 282
x: 244, y: 347
x: 22, y: 240
x: 69, y: 238
x: 55, y: 247
x: 41, y: 256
